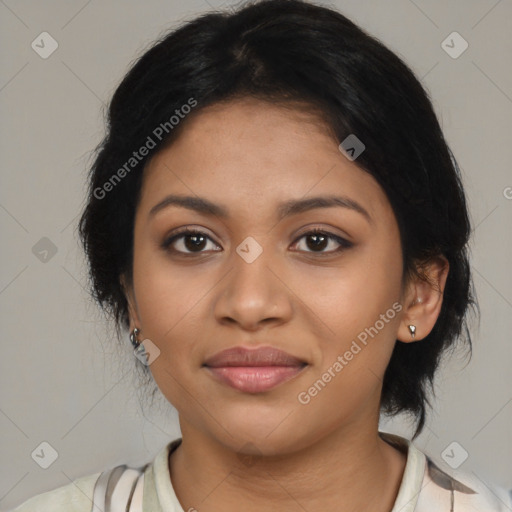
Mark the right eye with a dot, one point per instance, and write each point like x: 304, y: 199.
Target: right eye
x: 187, y: 241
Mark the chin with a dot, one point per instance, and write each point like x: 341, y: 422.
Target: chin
x: 253, y: 433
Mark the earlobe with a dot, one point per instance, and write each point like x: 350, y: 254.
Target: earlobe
x: 423, y: 311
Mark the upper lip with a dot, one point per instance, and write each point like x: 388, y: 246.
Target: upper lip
x: 263, y: 356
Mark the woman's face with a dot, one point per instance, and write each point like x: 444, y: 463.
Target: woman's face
x: 257, y: 279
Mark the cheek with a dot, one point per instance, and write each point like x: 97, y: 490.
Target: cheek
x: 353, y: 295
x: 359, y: 304
x: 167, y: 296
x: 169, y: 305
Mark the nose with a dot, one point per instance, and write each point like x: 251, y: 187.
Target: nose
x: 253, y: 294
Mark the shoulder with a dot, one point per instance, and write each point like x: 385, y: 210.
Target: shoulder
x: 460, y: 491
x: 118, y: 488
x: 426, y: 487
x: 76, y: 496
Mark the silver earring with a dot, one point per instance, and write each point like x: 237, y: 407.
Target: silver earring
x: 412, y: 330
x: 133, y: 337
x: 140, y: 350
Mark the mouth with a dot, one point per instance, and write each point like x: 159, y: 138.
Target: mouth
x: 254, y: 370
x: 255, y: 379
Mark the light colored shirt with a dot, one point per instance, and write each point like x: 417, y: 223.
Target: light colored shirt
x: 424, y: 488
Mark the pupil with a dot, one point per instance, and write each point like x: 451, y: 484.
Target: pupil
x: 316, y: 245
x: 198, y: 243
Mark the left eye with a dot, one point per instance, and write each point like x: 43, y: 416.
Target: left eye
x: 319, y: 240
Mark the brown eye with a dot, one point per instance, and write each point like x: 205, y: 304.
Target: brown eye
x: 318, y: 241
x: 187, y: 241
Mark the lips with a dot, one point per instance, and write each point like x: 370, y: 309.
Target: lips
x: 264, y: 356
x: 254, y: 370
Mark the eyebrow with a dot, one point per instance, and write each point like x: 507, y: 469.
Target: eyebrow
x: 285, y: 209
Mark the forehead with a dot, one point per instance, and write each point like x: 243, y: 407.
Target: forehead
x: 249, y: 152
x: 259, y: 130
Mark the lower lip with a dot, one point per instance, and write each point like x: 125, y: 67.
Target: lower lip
x: 255, y: 379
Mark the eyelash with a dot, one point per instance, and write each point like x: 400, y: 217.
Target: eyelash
x: 344, y: 244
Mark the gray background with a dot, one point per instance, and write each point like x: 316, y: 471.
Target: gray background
x: 63, y: 380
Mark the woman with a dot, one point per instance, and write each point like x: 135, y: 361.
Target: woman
x: 275, y: 217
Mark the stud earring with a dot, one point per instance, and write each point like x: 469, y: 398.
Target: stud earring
x: 412, y: 330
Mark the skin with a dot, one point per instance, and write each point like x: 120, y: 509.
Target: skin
x: 249, y: 156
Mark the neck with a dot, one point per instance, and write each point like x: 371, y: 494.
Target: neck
x: 350, y: 469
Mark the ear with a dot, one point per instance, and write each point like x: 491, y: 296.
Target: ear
x: 132, y: 304
x: 423, y: 300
